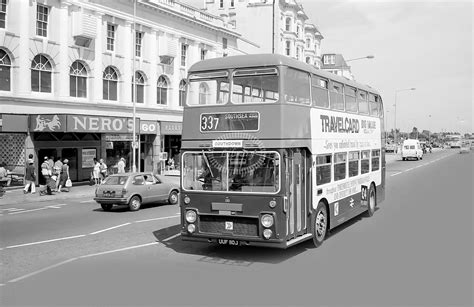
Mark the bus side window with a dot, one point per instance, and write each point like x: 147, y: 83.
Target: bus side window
x: 340, y: 165
x: 375, y: 160
x: 320, y: 92
x: 323, y: 169
x: 365, y: 162
x: 336, y: 97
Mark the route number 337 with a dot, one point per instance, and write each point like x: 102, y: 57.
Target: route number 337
x: 209, y: 123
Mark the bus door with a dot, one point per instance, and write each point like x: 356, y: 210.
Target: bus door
x: 296, y: 178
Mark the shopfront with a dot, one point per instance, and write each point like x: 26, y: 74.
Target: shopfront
x: 171, y: 140
x: 80, y: 139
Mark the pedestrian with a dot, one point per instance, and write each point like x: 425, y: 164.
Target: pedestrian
x: 4, y: 174
x: 64, y: 176
x: 46, y: 171
x: 30, y: 177
x: 103, y: 170
x: 121, y: 166
x: 96, y: 171
x: 57, y: 171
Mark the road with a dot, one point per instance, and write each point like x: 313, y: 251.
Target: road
x: 415, y: 250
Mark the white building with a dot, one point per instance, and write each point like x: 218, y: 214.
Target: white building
x: 66, y: 72
x: 279, y: 26
x: 336, y: 64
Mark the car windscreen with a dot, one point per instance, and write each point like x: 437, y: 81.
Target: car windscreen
x: 115, y: 180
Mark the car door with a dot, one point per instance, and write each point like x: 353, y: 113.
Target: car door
x: 150, y: 187
x: 162, y: 188
x: 139, y: 187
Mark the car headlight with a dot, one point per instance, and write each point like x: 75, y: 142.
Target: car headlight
x: 267, y: 220
x: 187, y: 200
x: 191, y: 216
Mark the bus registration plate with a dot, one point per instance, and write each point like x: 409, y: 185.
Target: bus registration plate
x: 228, y: 242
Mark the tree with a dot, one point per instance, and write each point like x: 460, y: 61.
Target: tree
x: 414, y: 133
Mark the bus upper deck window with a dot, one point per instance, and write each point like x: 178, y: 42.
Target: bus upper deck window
x: 363, y: 102
x: 258, y: 85
x: 374, y: 106
x: 336, y: 97
x: 297, y: 86
x: 208, y: 88
x: 320, y: 92
x: 350, y: 96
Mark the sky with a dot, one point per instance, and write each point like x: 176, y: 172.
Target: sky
x: 426, y: 45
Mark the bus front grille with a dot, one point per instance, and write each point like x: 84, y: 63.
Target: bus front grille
x: 241, y: 226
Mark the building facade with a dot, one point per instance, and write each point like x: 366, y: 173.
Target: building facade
x: 279, y: 26
x: 70, y: 71
x: 336, y: 64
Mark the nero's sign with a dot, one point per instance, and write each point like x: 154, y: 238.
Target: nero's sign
x: 85, y: 123
x: 339, y: 124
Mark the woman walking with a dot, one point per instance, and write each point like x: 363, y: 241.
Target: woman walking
x: 64, y: 176
x: 96, y: 171
x: 30, y: 178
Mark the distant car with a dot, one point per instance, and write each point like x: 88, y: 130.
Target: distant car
x: 390, y: 148
x: 411, y: 149
x: 465, y: 147
x: 135, y: 189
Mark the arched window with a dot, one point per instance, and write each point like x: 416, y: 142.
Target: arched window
x: 140, y: 77
x: 288, y: 24
x: 182, y: 92
x: 162, y: 91
x: 110, y: 83
x: 78, y: 80
x: 5, y: 67
x: 41, y: 74
x: 203, y: 93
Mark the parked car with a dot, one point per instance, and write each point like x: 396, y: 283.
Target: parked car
x: 135, y: 189
x: 411, y: 149
x: 390, y: 147
x: 465, y: 147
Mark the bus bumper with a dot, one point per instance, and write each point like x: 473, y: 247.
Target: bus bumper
x: 274, y: 243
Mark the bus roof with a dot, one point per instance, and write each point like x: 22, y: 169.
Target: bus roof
x: 266, y: 60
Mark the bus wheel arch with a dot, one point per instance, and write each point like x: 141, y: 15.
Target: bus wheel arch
x: 371, y: 199
x: 320, y: 222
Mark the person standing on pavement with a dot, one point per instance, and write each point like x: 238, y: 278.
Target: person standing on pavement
x: 121, y: 166
x: 103, y: 170
x: 64, y: 176
x: 57, y: 171
x: 30, y: 178
x: 4, y: 174
x: 96, y: 171
x: 46, y: 172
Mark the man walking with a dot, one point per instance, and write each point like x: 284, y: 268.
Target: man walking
x: 30, y: 177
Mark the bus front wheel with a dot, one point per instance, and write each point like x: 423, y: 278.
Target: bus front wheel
x: 371, y: 201
x: 319, y: 224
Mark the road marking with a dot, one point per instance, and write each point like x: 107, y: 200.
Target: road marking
x: 13, y: 209
x: 172, y: 237
x: 17, y: 212
x: 43, y: 270
x: 99, y: 231
x: 158, y: 218
x: 46, y: 241
x: 87, y: 201
x: 396, y: 174
x: 119, y: 250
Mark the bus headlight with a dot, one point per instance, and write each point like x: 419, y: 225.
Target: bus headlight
x: 267, y: 233
x: 191, y: 216
x: 272, y: 203
x: 187, y: 200
x: 191, y: 228
x: 267, y: 220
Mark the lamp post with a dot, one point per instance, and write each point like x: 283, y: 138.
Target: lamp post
x: 365, y: 57
x: 395, y: 110
x: 134, y: 84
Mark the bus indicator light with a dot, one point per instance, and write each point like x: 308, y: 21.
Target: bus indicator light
x: 267, y: 233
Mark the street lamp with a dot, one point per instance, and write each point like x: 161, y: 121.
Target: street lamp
x: 134, y: 85
x: 395, y: 110
x: 365, y: 57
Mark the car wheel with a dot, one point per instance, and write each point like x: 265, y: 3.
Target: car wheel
x: 106, y: 207
x: 135, y: 203
x: 371, y: 201
x: 319, y: 224
x: 173, y: 198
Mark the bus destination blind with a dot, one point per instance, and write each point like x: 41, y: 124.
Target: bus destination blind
x: 230, y: 121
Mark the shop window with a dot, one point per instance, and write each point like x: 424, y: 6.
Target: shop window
x: 110, y: 84
x: 5, y: 71
x: 78, y: 80
x: 162, y: 91
x: 41, y: 74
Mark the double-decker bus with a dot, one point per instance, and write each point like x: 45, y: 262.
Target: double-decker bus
x: 275, y: 152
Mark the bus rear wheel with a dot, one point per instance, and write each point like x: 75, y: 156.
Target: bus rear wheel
x: 371, y: 201
x: 319, y: 224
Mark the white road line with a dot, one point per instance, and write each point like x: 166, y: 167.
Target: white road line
x: 38, y: 209
x: 396, y: 174
x: 119, y: 250
x: 99, y: 231
x: 54, y: 207
x: 13, y: 209
x: 172, y: 237
x: 410, y: 169
x: 46, y: 241
x: 43, y: 270
x: 158, y: 218
x: 87, y: 201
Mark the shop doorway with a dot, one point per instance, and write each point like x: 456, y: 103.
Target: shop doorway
x: 71, y: 155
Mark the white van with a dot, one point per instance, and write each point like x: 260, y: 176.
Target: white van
x: 411, y: 149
